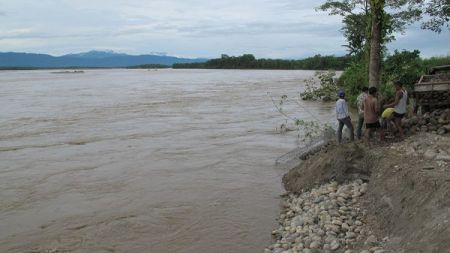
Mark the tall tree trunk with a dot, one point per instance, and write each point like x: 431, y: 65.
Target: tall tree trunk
x: 367, y: 39
x: 375, y: 42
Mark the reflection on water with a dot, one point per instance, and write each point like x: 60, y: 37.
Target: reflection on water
x: 142, y: 161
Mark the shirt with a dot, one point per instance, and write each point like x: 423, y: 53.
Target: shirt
x: 401, y: 106
x: 341, y: 109
x: 360, y: 101
x: 387, y: 113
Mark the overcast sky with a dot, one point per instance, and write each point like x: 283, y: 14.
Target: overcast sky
x: 186, y: 28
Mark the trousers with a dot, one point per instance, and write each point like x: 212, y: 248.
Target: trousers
x: 360, y: 126
x: 348, y: 123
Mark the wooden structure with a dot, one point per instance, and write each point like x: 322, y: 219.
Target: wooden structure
x: 433, y: 90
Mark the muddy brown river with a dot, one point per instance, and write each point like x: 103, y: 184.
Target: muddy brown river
x: 143, y: 161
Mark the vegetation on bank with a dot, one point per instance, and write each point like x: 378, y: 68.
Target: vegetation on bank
x: 149, y: 66
x: 406, y: 66
x: 368, y: 26
x: 143, y: 66
x: 18, y: 68
x: 248, y: 61
x: 52, y: 68
x: 326, y: 91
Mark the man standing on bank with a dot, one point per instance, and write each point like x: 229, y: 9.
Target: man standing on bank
x: 343, y: 116
x: 359, y: 102
x: 371, y: 111
x: 399, y: 104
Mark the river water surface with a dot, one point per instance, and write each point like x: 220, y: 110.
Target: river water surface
x: 143, y: 161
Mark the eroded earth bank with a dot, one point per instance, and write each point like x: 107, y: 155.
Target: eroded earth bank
x: 349, y: 198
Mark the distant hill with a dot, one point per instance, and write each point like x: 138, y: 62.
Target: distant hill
x: 91, y: 59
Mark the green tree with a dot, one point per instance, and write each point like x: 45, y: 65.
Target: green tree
x: 354, y: 29
x: 439, y: 12
x: 408, y: 12
x: 386, y: 17
x: 405, y: 66
x: 376, y: 13
x: 248, y: 61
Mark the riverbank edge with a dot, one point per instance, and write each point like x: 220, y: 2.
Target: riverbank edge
x: 392, y: 211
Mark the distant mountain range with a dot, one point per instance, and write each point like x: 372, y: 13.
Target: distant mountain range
x: 91, y: 59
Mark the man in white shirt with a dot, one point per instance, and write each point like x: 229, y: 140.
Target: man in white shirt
x: 343, y: 116
x: 400, y: 107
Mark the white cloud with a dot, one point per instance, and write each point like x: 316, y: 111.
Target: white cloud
x: 195, y: 28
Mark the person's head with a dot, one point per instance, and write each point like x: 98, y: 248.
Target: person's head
x: 398, y: 84
x: 365, y: 89
x: 373, y: 91
x: 341, y: 94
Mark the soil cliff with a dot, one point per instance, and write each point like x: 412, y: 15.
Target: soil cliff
x: 407, y: 201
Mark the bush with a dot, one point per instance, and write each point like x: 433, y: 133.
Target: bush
x: 386, y: 90
x: 436, y: 61
x: 327, y: 89
x: 405, y: 66
x: 353, y: 79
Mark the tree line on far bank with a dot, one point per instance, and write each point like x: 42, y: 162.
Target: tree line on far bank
x: 248, y: 61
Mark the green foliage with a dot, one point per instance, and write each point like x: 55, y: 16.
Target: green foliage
x: 439, y: 11
x: 408, y: 67
x: 327, y: 89
x: 248, y: 61
x: 18, y: 68
x: 436, y: 61
x: 405, y: 66
x: 386, y: 90
x: 386, y: 17
x: 149, y: 66
x: 307, y: 130
x: 355, y: 31
x: 356, y: 22
x: 353, y: 79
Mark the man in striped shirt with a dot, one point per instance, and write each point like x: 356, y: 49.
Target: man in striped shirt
x: 359, y: 102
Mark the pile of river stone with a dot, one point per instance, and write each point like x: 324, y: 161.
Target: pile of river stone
x: 326, y: 219
x: 437, y: 122
x: 431, y: 147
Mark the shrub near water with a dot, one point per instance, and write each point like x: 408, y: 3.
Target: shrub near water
x: 353, y: 79
x: 307, y: 129
x: 326, y: 91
